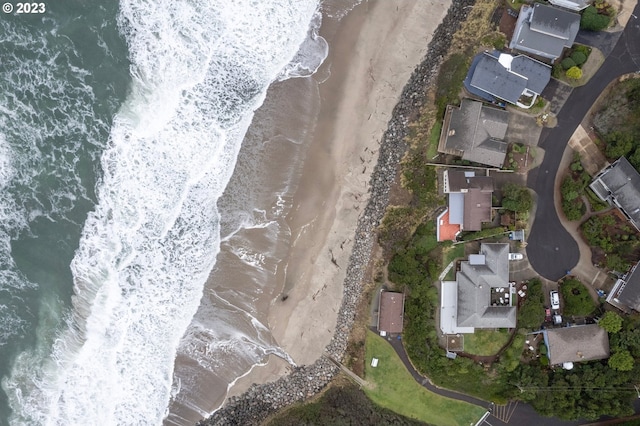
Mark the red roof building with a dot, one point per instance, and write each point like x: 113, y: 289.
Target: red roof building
x: 390, y: 312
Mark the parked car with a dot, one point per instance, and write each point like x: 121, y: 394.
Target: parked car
x: 547, y: 314
x: 555, y: 300
x: 516, y: 256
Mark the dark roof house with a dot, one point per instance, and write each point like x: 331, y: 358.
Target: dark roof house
x: 545, y: 31
x: 469, y: 198
x: 575, y: 344
x: 475, y: 132
x: 517, y: 80
x: 484, y: 293
x: 390, y: 312
x: 619, y: 185
x: 625, y: 294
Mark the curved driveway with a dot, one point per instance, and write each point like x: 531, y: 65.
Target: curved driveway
x: 551, y: 250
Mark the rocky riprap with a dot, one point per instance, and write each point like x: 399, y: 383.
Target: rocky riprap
x: 260, y: 401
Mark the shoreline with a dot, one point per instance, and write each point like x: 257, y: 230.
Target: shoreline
x: 260, y: 400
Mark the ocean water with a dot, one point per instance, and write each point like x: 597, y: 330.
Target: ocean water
x: 133, y: 264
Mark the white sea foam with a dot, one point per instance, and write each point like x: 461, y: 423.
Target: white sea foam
x: 199, y: 71
x: 311, y: 53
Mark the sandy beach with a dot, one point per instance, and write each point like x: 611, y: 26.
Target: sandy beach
x: 372, y: 55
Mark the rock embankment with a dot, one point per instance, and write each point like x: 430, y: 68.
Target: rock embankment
x: 259, y: 401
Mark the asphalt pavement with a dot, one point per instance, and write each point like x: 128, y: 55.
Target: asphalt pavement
x: 551, y: 250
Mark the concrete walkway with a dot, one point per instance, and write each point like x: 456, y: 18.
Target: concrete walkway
x: 590, y: 155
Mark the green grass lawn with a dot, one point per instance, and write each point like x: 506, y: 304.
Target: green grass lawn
x: 434, y: 139
x: 485, y: 342
x: 393, y: 387
x: 449, y: 254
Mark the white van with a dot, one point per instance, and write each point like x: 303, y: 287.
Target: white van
x: 555, y: 300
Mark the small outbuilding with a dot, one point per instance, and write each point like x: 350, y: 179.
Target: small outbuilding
x: 390, y: 312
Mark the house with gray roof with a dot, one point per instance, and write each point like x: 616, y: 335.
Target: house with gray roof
x: 545, y: 31
x: 481, y: 296
x: 475, y: 132
x: 575, y: 5
x: 517, y: 80
x: 619, y: 185
x: 576, y: 344
x: 625, y: 294
x: 469, y: 198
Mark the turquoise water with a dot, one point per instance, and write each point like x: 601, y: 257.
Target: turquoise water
x: 64, y: 75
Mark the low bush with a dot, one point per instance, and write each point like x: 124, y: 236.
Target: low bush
x: 571, y: 190
x: 568, y: 63
x: 578, y: 58
x: 531, y: 314
x: 574, y: 73
x: 585, y: 50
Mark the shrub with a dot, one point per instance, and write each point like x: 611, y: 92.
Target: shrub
x: 516, y: 198
x: 531, y: 314
x: 618, y: 144
x: 567, y: 63
x: 577, y: 300
x: 611, y: 322
x: 574, y: 73
x: 591, y: 20
x: 616, y: 263
x: 585, y: 50
x: 579, y: 58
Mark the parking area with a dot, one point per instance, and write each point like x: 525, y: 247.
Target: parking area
x: 522, y: 129
x: 557, y: 94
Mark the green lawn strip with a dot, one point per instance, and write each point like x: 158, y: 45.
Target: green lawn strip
x: 485, y: 342
x: 394, y: 388
x: 449, y: 255
x: 434, y: 140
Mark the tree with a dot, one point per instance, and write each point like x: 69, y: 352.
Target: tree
x: 574, y: 73
x: 634, y: 159
x: 618, y: 144
x: 516, y: 198
x: 593, y: 21
x: 621, y: 361
x: 611, y: 322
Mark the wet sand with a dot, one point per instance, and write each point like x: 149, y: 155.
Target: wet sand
x: 372, y: 54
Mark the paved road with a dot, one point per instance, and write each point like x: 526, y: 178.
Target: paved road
x: 521, y: 415
x: 552, y: 251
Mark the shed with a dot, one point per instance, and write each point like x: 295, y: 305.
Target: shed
x: 390, y: 312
